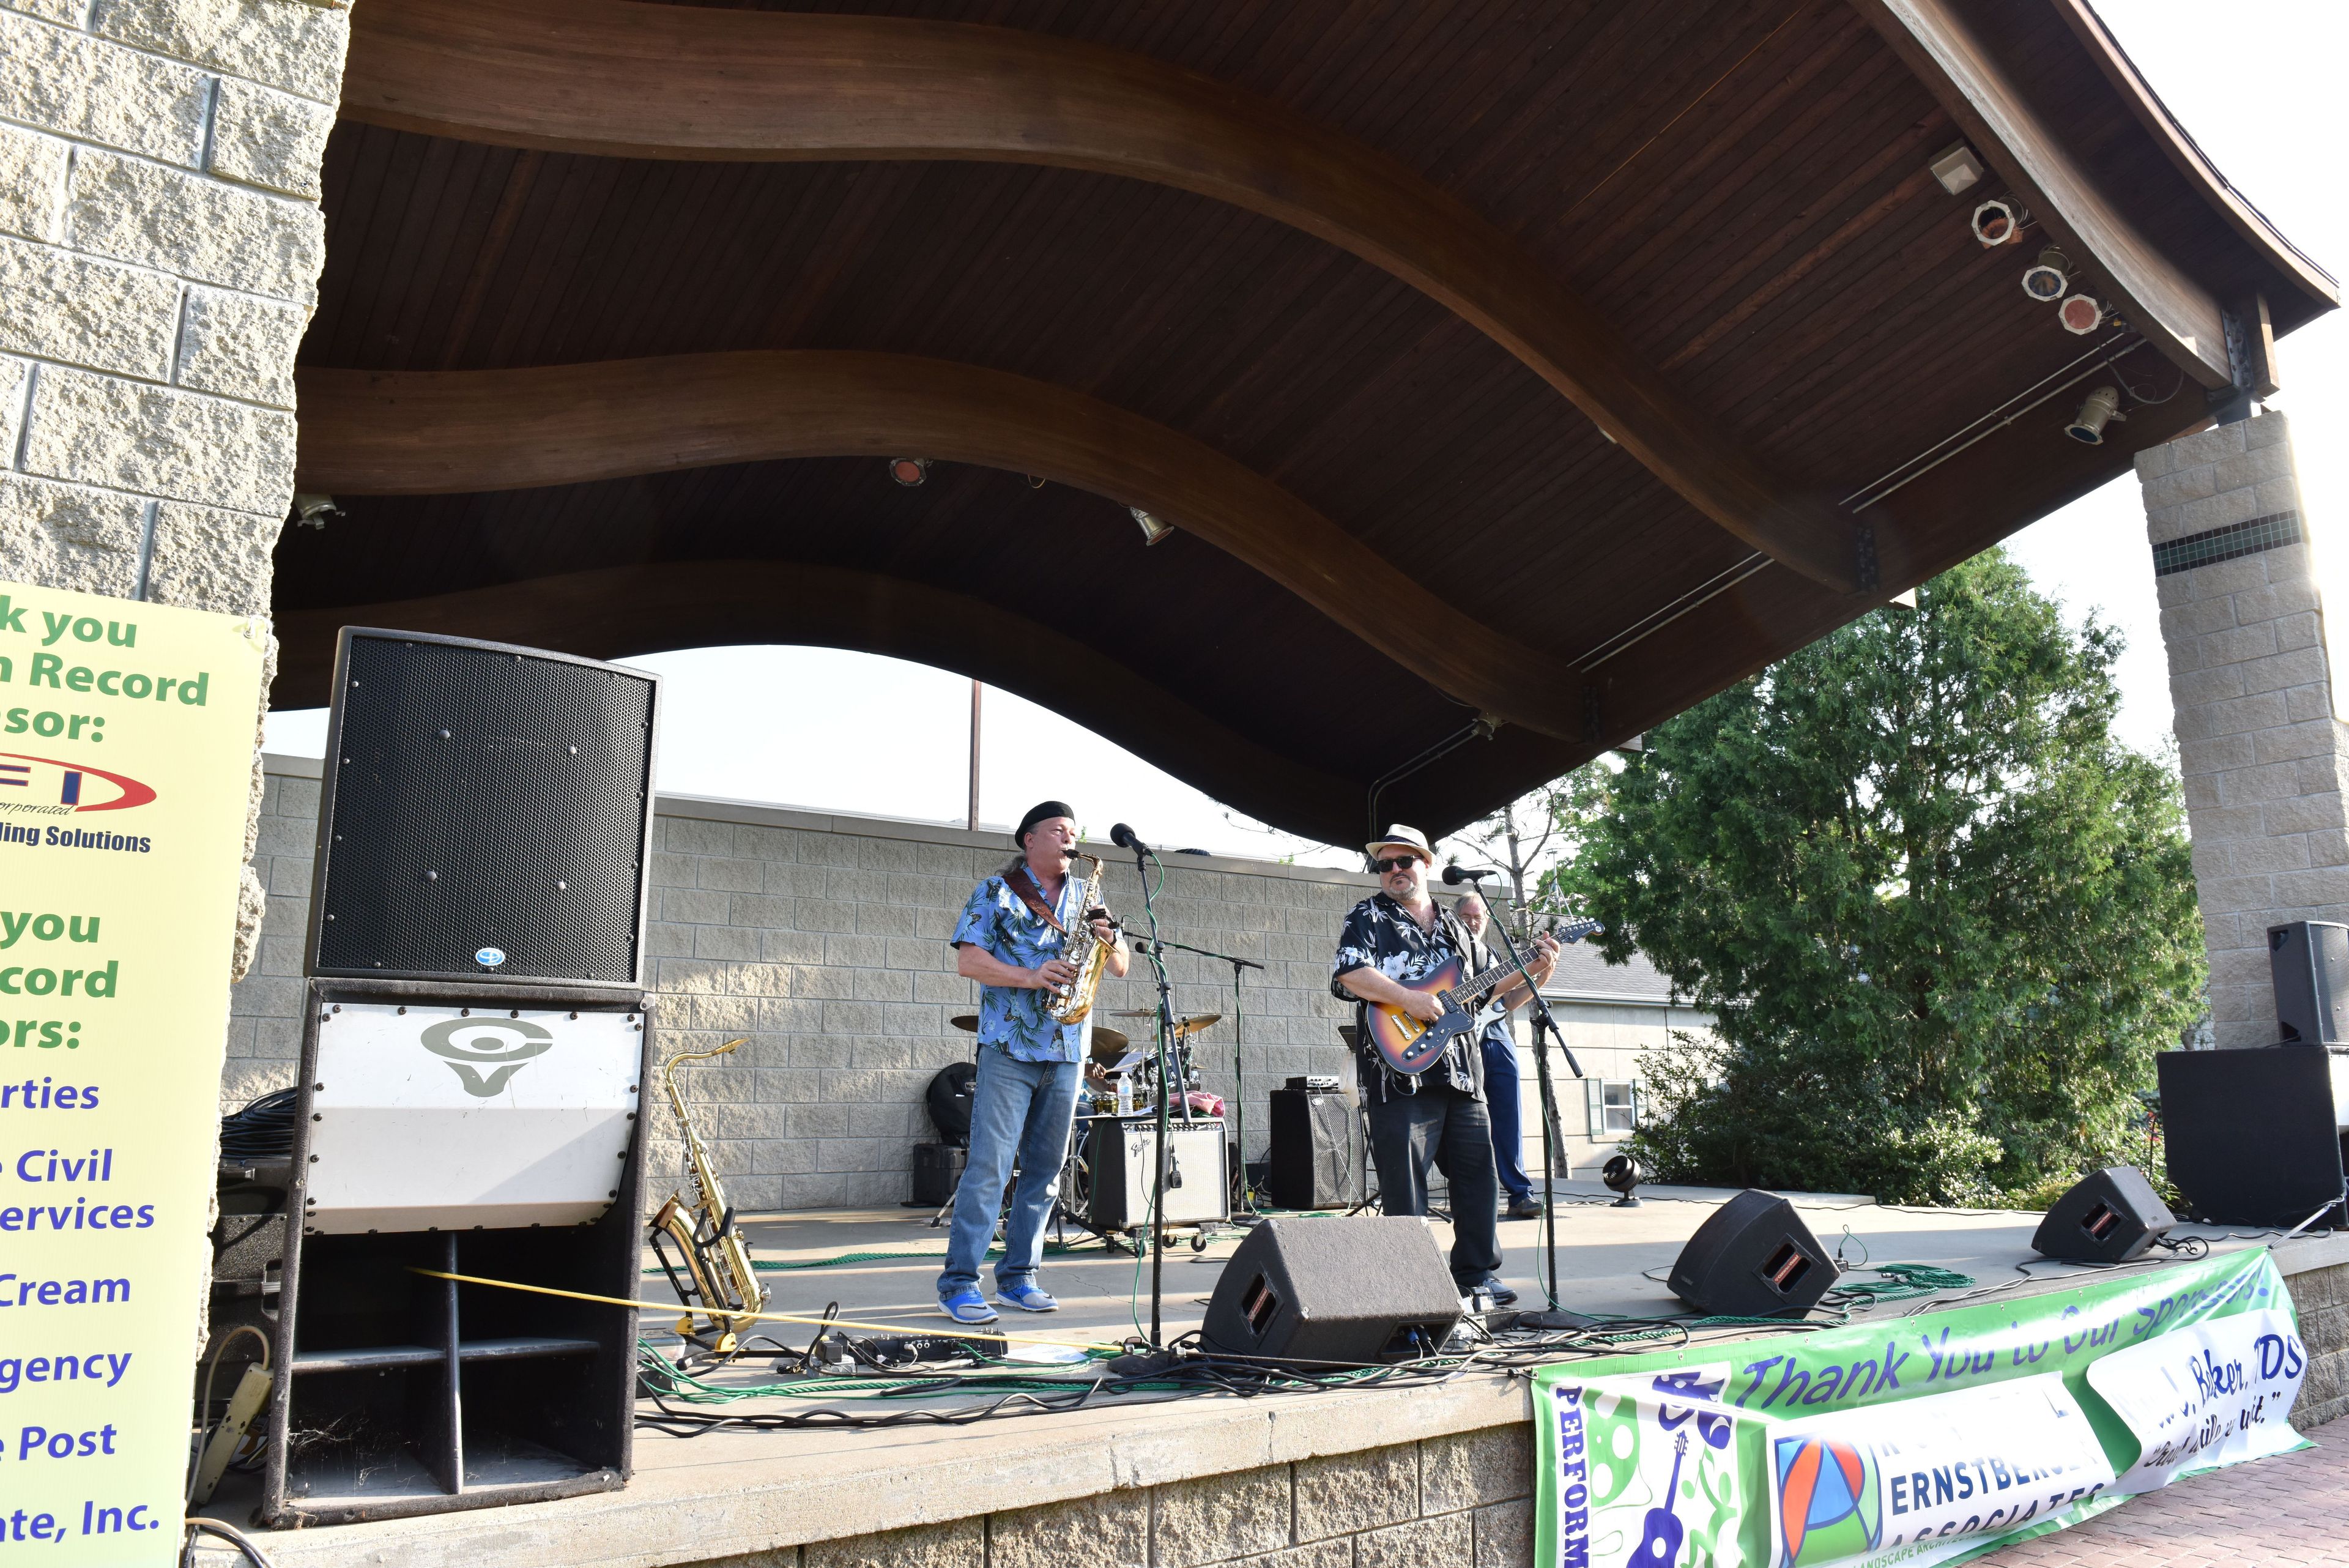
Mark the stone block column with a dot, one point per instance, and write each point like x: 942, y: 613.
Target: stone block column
x: 160, y: 248
x: 2262, y: 754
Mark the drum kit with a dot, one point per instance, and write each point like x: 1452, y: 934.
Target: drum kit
x: 1115, y: 1055
x: 1121, y: 1084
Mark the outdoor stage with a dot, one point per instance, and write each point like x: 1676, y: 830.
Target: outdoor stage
x: 1426, y: 1474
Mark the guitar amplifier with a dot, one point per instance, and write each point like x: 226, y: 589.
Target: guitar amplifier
x: 1121, y: 1153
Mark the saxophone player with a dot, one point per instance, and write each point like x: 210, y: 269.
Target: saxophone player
x: 1013, y: 938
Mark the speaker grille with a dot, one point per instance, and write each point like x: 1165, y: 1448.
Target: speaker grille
x: 481, y: 797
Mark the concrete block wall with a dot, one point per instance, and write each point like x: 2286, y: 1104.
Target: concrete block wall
x: 2260, y: 749
x: 1464, y: 1501
x: 160, y: 248
x: 824, y: 940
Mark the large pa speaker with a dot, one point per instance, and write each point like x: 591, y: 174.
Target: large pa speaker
x: 2110, y: 1217
x: 485, y: 814
x: 1356, y: 1290
x: 2309, y: 962
x: 1754, y: 1257
x: 2250, y: 1138
x: 1312, y: 1152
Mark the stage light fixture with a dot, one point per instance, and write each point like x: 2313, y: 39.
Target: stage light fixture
x: 1621, y: 1174
x: 1152, y: 529
x: 909, y: 472
x: 2102, y: 407
x: 2080, y: 315
x: 311, y: 509
x: 1998, y: 222
x: 2045, y: 279
x: 1957, y: 169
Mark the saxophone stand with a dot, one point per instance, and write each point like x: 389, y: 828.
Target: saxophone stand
x: 1554, y: 1316
x: 1246, y: 1214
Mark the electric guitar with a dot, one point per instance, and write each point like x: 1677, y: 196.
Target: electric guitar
x: 1661, y: 1532
x: 1409, y: 1045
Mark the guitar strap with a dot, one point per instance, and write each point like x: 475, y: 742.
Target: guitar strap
x: 1023, y: 882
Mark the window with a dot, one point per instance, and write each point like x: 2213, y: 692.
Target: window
x: 1614, y: 1108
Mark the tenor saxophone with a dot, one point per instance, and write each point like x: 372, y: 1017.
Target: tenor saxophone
x: 721, y: 1291
x: 1085, y: 951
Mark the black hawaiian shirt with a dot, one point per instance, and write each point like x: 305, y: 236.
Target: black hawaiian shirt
x: 1380, y: 934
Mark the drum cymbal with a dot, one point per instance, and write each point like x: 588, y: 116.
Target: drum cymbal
x: 1108, y: 1044
x: 1135, y: 1013
x: 966, y: 1021
x: 1186, y: 1027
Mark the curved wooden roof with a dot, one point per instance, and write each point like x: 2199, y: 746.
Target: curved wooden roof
x: 1513, y: 375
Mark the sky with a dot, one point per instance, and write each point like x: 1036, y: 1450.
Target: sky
x: 2267, y: 119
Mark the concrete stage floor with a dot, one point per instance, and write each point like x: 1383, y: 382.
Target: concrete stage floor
x: 726, y: 1493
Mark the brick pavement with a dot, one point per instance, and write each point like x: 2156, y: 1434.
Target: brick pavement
x: 2291, y: 1510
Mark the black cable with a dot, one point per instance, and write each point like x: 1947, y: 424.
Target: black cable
x: 263, y: 1131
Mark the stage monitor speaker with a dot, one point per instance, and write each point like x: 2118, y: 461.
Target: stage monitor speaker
x: 2110, y: 1216
x: 485, y: 815
x: 2309, y: 962
x: 1754, y: 1257
x: 1312, y: 1150
x: 2250, y: 1138
x: 1354, y: 1291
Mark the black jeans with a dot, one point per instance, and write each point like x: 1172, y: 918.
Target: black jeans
x: 1408, y: 1132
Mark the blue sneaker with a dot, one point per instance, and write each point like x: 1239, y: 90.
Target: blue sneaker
x: 966, y: 1307
x: 1029, y: 1297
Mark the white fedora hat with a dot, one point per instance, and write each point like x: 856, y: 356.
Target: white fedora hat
x: 1398, y: 836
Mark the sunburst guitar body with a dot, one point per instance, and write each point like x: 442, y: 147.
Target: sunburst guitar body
x: 1409, y: 1045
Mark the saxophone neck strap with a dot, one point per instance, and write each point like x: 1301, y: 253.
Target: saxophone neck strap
x: 1023, y: 882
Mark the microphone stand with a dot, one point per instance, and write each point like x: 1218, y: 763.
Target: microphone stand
x: 1248, y: 1214
x: 1555, y: 1317
x: 1165, y: 1033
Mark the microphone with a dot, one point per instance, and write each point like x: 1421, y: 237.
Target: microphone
x: 1456, y: 875
x: 1123, y: 836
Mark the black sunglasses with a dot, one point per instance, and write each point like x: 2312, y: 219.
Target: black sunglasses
x: 1394, y: 863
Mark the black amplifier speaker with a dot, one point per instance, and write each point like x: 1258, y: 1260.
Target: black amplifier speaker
x: 1753, y: 1258
x: 1311, y: 1153
x: 485, y: 815
x: 2309, y: 962
x: 1359, y: 1290
x: 2111, y: 1217
x: 2250, y: 1138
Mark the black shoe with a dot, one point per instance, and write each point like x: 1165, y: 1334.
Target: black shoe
x: 1523, y: 1209
x: 1501, y: 1295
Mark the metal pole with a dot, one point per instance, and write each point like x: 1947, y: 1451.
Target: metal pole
x: 973, y: 823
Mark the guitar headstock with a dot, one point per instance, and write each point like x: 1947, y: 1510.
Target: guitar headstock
x: 1574, y: 931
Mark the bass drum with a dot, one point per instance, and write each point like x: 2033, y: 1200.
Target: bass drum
x: 950, y: 1096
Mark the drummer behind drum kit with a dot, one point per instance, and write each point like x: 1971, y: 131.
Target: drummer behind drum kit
x: 1113, y: 1153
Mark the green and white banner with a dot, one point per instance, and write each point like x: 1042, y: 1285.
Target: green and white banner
x: 1928, y: 1439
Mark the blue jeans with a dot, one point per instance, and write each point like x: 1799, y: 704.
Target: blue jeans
x: 1501, y: 1104
x: 1018, y: 1107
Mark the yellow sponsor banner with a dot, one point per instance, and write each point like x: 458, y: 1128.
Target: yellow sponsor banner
x: 126, y: 752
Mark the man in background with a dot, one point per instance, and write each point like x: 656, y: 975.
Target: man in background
x: 1503, y: 1100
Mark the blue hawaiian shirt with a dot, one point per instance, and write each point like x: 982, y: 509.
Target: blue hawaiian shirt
x: 997, y: 921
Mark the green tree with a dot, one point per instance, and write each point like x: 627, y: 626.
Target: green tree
x: 1942, y: 917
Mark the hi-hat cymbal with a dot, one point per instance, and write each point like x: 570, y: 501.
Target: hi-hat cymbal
x: 966, y: 1021
x: 1108, y: 1044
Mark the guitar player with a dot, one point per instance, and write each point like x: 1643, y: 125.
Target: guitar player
x: 1397, y: 935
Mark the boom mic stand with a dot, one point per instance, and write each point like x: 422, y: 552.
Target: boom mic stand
x: 1123, y: 835
x: 1555, y: 1317
x: 1248, y: 1214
